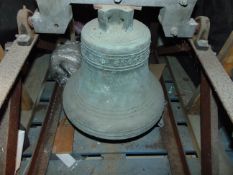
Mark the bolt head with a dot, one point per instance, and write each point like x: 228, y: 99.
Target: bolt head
x: 183, y: 2
x: 23, y: 39
x: 174, y: 31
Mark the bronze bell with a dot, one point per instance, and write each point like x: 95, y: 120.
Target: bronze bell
x: 114, y: 95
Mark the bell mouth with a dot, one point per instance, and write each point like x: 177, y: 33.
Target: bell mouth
x: 115, y: 137
x: 118, y: 123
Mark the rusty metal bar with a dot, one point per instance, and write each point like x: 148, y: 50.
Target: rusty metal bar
x: 40, y: 158
x: 209, y: 129
x: 171, y: 139
x: 169, y: 132
x: 206, y: 149
x: 46, y: 45
x: 9, y: 126
x: 13, y: 128
x: 173, y: 49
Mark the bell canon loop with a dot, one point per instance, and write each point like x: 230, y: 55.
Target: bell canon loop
x: 114, y: 95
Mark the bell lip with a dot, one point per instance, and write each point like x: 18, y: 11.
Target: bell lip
x: 75, y: 113
x: 123, y: 135
x: 111, y: 137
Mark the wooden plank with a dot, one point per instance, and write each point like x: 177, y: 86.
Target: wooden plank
x: 226, y: 55
x: 183, y: 86
x: 193, y: 106
x: 34, y: 86
x: 228, y: 62
x: 157, y: 69
x: 228, y: 44
x: 182, y: 81
x: 218, y: 77
x: 11, y: 65
x: 129, y: 166
x: 221, y: 82
x: 26, y: 100
x: 64, y: 138
x: 226, y: 58
x: 4, y: 124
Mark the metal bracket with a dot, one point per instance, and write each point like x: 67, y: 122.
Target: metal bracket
x: 54, y: 16
x: 25, y: 36
x: 201, y: 37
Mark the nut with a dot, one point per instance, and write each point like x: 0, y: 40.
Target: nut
x: 23, y: 39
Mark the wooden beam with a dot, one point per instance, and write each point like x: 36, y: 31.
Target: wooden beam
x: 64, y: 138
x: 157, y: 69
x: 11, y: 66
x: 4, y: 124
x: 220, y: 81
x: 225, y: 49
x: 182, y: 80
x: 225, y: 56
x: 26, y: 100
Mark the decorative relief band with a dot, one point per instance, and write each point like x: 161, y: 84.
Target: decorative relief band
x: 114, y: 62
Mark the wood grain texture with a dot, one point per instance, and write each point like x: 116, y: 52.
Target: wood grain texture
x: 11, y: 65
x: 4, y: 124
x: 26, y: 100
x: 228, y: 61
x: 218, y: 77
x: 228, y: 44
x: 226, y: 55
x: 182, y: 80
x: 157, y: 69
x: 64, y: 138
